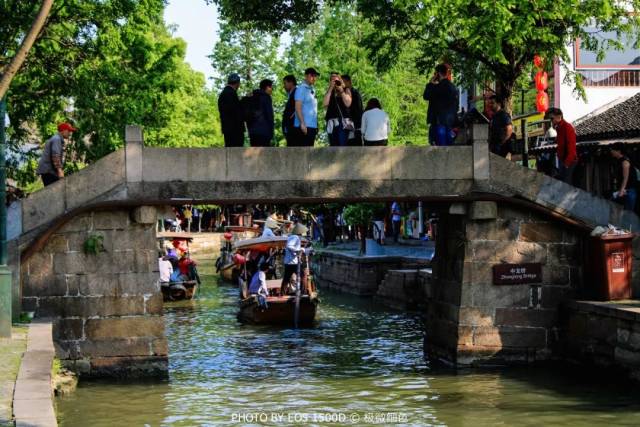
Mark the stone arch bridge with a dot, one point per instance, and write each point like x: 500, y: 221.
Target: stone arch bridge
x: 108, y: 308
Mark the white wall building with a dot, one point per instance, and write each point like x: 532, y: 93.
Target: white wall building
x: 606, y: 83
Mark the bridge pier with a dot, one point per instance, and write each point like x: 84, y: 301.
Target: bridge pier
x: 471, y: 320
x: 107, y: 307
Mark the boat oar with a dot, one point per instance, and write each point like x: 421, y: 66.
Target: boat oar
x: 296, y: 313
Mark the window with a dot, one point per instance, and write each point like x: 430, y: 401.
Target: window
x: 618, y: 67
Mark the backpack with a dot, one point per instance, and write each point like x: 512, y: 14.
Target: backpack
x: 250, y: 108
x: 288, y: 115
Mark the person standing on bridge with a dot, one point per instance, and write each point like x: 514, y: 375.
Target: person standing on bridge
x: 355, y: 111
x: 231, y: 115
x: 305, y: 123
x: 442, y: 96
x: 565, y: 146
x: 338, y: 101
x: 51, y: 164
x: 260, y: 125
x: 500, y: 129
x: 289, y: 113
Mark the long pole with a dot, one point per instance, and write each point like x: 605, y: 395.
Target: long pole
x: 5, y: 273
x: 296, y: 314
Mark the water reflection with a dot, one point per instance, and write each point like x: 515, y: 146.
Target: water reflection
x: 360, y: 358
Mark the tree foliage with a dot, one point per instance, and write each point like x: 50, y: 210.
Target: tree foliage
x: 104, y: 64
x: 483, y: 39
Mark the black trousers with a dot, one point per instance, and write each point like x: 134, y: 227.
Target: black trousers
x: 234, y: 139
x: 49, y: 178
x: 259, y: 141
x: 299, y: 139
x: 381, y: 142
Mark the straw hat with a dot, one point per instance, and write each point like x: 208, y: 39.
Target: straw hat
x: 299, y: 229
x: 271, y: 223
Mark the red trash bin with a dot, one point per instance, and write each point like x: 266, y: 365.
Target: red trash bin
x: 609, y: 266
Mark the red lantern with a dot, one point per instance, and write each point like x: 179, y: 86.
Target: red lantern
x: 542, y: 81
x: 542, y: 101
x: 538, y: 61
x: 239, y: 259
x: 228, y: 236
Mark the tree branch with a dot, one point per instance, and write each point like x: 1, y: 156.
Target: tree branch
x: 27, y: 43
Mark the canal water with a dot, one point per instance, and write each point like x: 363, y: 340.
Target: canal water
x: 361, y: 365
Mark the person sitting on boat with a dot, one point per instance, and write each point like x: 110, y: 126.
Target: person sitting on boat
x: 292, y: 256
x: 258, y: 285
x: 165, y: 268
x: 270, y: 225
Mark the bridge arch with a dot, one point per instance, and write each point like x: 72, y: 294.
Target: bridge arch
x: 108, y: 309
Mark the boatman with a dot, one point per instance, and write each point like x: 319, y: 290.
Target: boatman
x: 258, y: 285
x: 292, y: 255
x: 270, y: 225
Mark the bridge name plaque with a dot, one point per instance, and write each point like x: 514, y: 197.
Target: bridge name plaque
x: 517, y: 274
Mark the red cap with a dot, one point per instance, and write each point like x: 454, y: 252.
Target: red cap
x: 66, y: 126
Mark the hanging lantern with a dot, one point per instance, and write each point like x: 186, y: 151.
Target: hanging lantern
x: 538, y: 61
x: 542, y: 81
x: 228, y: 236
x: 542, y: 101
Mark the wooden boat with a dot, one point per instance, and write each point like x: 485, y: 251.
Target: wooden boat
x: 180, y: 290
x: 280, y: 309
x: 176, y: 291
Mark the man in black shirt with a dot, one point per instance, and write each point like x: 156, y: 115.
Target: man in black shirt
x: 231, y: 116
x: 500, y: 129
x: 355, y: 111
x: 443, y: 106
x: 289, y: 113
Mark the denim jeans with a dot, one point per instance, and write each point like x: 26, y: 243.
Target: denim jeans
x: 339, y: 136
x: 630, y: 199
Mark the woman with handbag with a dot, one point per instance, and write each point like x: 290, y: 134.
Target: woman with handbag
x: 337, y: 101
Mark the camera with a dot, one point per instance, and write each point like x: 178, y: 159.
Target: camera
x: 338, y: 83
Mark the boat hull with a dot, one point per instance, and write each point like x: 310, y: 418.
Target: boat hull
x: 177, y: 291
x: 279, y: 311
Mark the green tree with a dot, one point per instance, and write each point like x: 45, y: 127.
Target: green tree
x: 104, y: 64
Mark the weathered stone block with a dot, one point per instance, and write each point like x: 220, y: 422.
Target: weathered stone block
x: 476, y: 316
x: 57, y: 244
x: 129, y: 367
x: 553, y: 296
x: 43, y: 206
x: 128, y: 327
x: 153, y: 304
x: 526, y: 317
x: 482, y: 210
x: 44, y: 285
x: 95, y: 284
x: 488, y: 295
x: 111, y: 220
x: 68, y: 329
x: 458, y: 209
x: 145, y: 215
x: 540, y: 232
x: 116, y: 347
x: 564, y: 254
x: 138, y: 284
x: 75, y: 263
x: 160, y: 347
x: 504, y: 230
x: 82, y: 222
x: 510, y: 337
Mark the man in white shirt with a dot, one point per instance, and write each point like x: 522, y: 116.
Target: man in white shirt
x: 292, y: 255
x: 258, y: 285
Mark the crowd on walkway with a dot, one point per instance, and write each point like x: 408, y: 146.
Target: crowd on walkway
x: 347, y: 121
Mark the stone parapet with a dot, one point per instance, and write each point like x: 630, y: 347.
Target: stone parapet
x: 605, y: 334
x: 358, y: 275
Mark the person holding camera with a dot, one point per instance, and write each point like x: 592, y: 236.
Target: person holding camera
x: 442, y: 96
x: 337, y: 101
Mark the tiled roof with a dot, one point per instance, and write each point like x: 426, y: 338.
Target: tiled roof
x: 620, y: 121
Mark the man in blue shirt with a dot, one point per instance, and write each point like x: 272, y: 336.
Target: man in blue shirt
x: 305, y: 123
